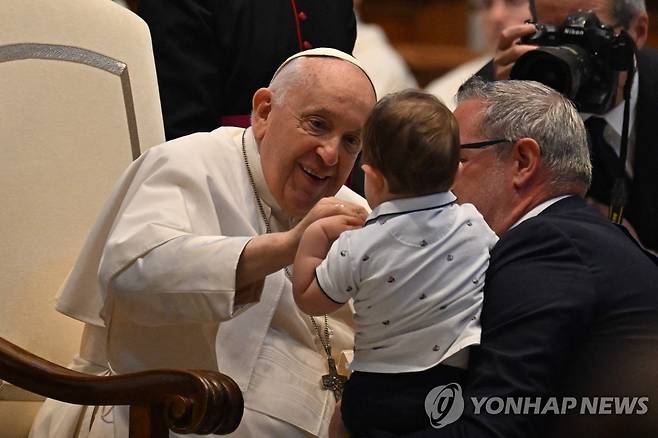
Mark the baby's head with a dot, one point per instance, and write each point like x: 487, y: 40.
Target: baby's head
x: 410, y: 147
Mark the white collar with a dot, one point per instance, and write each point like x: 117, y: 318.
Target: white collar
x: 408, y: 205
x: 539, y: 208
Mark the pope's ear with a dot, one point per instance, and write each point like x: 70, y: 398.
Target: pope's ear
x: 262, y: 105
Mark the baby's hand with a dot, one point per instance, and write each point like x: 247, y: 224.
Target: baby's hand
x: 331, y: 227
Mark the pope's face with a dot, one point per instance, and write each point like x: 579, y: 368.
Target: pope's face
x: 310, y: 139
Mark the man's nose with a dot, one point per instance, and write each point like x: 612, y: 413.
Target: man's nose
x: 329, y: 150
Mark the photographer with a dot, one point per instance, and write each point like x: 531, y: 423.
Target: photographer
x: 641, y: 211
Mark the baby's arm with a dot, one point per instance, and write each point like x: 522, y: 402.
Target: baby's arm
x: 312, y: 250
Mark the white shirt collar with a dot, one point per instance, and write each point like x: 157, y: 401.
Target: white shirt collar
x: 538, y: 209
x: 408, y: 205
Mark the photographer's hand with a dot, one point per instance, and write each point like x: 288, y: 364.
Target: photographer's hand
x: 509, y: 51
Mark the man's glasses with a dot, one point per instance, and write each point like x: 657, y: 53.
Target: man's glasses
x: 484, y: 144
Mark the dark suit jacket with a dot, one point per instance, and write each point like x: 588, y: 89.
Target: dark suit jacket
x: 212, y: 55
x: 642, y: 206
x: 570, y: 308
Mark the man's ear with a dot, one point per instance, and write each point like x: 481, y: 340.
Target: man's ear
x: 262, y: 106
x: 639, y: 29
x: 526, y: 155
x: 375, y: 178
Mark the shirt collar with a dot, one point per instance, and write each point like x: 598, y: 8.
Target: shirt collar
x: 253, y: 155
x: 538, y: 209
x: 408, y: 205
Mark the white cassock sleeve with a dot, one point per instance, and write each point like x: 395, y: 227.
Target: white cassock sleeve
x: 181, y: 282
x: 173, y: 252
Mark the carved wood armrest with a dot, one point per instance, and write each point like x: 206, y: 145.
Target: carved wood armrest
x: 190, y: 401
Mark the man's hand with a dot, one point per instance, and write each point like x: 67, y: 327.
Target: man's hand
x: 509, y: 51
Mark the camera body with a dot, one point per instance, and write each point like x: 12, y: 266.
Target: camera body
x: 581, y: 58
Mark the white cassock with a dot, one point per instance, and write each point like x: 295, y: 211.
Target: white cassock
x: 157, y: 276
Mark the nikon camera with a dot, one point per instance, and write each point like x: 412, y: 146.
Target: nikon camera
x: 580, y: 58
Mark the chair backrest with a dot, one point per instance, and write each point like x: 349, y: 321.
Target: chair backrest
x: 78, y: 101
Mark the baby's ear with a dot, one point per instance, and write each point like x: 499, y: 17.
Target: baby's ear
x: 376, y: 178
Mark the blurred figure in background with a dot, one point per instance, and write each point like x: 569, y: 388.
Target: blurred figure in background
x: 211, y: 56
x: 386, y: 67
x: 492, y: 17
x: 605, y: 125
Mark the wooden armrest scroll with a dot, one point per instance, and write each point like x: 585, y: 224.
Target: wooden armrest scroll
x: 191, y: 401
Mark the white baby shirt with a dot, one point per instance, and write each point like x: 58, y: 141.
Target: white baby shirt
x: 416, y: 273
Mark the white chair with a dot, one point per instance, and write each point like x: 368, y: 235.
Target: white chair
x: 78, y: 102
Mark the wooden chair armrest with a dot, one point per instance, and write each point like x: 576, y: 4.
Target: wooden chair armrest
x: 190, y: 401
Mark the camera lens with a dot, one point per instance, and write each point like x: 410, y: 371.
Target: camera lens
x: 561, y: 68
x: 555, y: 78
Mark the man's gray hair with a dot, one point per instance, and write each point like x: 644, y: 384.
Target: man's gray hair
x: 527, y: 109
x: 625, y: 11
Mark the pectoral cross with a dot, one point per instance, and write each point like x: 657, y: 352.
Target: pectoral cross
x: 333, y: 380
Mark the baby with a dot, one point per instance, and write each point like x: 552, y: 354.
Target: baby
x: 415, y: 270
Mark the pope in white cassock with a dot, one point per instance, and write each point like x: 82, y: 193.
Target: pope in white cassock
x: 189, y: 256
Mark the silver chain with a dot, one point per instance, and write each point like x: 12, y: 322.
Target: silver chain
x: 326, y: 339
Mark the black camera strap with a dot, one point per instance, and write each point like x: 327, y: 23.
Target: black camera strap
x: 619, y: 195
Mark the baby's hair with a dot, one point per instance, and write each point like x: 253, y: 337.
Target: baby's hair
x: 413, y: 140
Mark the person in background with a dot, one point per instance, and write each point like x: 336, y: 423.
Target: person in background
x: 212, y: 55
x: 492, y: 17
x: 415, y: 270
x: 387, y: 68
x: 186, y: 266
x: 641, y: 211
